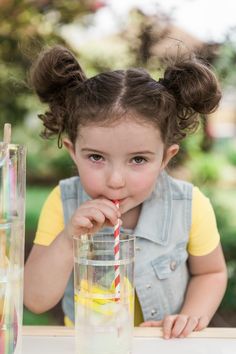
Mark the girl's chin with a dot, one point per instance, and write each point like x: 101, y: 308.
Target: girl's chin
x: 127, y: 208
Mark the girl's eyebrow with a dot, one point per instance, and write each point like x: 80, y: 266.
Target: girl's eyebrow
x: 92, y: 150
x: 142, y: 153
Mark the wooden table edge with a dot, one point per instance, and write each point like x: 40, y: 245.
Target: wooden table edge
x: 209, y: 332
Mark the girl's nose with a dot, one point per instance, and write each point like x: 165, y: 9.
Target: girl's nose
x: 116, y: 179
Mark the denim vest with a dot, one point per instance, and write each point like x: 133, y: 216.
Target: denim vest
x: 162, y: 233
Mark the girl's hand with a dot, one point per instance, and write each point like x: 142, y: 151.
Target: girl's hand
x: 178, y: 326
x: 91, y: 216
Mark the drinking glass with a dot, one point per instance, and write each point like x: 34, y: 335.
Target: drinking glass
x: 104, y: 308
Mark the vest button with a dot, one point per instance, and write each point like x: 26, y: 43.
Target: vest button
x: 153, y: 312
x: 148, y: 286
x: 173, y: 265
x: 137, y: 248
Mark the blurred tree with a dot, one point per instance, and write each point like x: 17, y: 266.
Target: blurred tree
x: 226, y: 60
x: 26, y: 26
x: 143, y: 33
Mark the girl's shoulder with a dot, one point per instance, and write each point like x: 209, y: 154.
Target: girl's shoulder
x: 51, y: 218
x: 204, y: 235
x: 55, y: 193
x: 200, y: 200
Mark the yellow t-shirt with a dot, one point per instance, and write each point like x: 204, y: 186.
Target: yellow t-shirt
x: 203, y: 237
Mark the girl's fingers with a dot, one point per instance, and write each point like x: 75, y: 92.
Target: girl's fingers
x: 202, y: 323
x: 84, y: 222
x: 110, y: 206
x: 178, y: 325
x: 103, y: 202
x: 181, y: 326
x: 97, y: 209
x: 92, y: 215
x: 78, y: 227
x: 190, y: 327
x: 151, y: 324
x: 168, y: 324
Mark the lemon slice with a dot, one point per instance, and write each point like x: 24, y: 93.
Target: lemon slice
x: 103, y: 300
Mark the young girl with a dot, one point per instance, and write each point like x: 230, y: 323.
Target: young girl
x: 121, y: 129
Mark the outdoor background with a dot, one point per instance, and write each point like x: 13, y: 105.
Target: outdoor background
x: 110, y: 35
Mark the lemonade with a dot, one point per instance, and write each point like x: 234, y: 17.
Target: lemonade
x: 107, y: 324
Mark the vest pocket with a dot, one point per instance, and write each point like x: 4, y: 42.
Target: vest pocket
x: 166, y: 265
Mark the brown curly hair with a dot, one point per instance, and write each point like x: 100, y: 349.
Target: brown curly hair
x: 173, y: 104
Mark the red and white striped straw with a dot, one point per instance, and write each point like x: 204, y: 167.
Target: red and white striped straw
x: 117, y: 255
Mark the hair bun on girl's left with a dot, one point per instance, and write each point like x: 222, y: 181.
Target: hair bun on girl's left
x: 194, y: 84
x: 55, y: 70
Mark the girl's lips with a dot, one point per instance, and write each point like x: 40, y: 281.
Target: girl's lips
x: 121, y: 201
x: 118, y: 200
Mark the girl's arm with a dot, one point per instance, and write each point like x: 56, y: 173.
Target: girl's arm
x: 204, y: 293
x: 48, y: 268
x: 46, y: 274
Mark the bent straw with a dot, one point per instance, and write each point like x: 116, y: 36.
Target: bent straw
x: 117, y: 255
x: 7, y: 133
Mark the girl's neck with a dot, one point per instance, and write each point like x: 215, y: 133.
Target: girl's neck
x: 130, y: 218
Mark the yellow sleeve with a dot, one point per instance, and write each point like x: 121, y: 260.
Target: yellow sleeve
x: 204, y: 236
x: 51, y: 220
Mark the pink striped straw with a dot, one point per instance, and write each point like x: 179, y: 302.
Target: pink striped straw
x: 117, y: 255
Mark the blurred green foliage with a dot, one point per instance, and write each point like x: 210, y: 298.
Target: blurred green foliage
x: 224, y: 205
x: 230, y: 152
x: 26, y: 26
x: 226, y: 60
x: 52, y: 317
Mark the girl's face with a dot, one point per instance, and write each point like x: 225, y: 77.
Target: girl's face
x: 121, y: 161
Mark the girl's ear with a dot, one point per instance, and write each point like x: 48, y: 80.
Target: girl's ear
x: 70, y: 148
x: 169, y: 153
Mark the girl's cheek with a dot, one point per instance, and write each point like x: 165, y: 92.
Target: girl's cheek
x: 92, y: 185
x: 144, y: 182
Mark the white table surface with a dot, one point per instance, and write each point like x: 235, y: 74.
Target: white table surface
x: 60, y: 340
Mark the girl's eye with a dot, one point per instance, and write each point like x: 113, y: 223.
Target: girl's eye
x: 95, y: 157
x: 138, y: 160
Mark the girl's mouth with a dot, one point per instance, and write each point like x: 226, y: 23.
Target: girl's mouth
x: 120, y: 201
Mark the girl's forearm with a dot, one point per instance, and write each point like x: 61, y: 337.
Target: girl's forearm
x: 204, y: 294
x: 47, y: 271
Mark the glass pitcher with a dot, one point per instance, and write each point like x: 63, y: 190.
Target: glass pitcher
x: 12, y: 234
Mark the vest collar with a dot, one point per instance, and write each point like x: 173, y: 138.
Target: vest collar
x: 155, y: 217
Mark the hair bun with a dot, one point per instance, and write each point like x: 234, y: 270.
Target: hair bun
x: 194, y: 85
x: 52, y: 76
x: 55, y: 70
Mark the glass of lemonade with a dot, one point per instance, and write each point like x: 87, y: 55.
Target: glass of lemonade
x: 103, y: 314
x: 12, y: 221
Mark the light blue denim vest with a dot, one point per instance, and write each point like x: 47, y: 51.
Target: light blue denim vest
x: 162, y: 233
